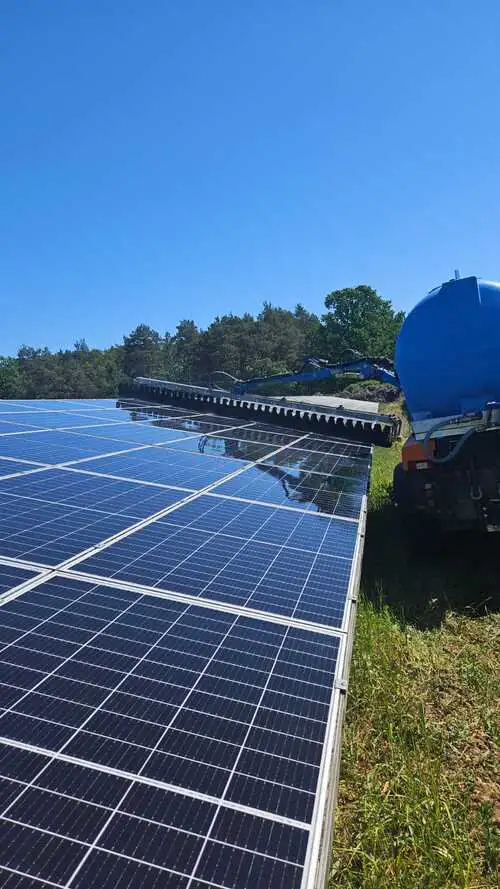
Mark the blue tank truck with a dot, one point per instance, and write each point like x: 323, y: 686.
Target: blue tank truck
x: 447, y: 359
x: 448, y: 367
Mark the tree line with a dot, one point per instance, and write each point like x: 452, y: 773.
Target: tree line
x: 274, y: 341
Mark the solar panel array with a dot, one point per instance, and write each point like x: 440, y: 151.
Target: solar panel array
x: 176, y: 612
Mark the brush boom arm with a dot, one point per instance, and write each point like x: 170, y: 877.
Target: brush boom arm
x: 315, y: 369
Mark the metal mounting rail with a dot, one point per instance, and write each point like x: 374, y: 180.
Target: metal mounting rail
x: 361, y: 426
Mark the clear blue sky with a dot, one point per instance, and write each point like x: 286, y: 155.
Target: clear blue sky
x: 164, y: 159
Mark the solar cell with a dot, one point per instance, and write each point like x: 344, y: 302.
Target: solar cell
x: 7, y: 427
x: 329, y: 445
x: 163, y: 705
x: 11, y: 576
x: 272, y: 562
x: 260, y: 436
x: 70, y: 487
x: 135, y: 413
x: 299, y: 489
x: 10, y: 407
x: 202, y: 424
x: 223, y: 447
x: 58, y: 420
x: 275, y: 430
x: 269, y: 524
x: 137, y: 433
x: 165, y: 467
x: 165, y: 415
x: 318, y: 461
x: 59, y: 404
x: 11, y: 467
x: 49, y: 533
x: 55, y: 447
x: 170, y: 683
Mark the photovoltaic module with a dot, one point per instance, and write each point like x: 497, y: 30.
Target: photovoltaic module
x: 177, y: 601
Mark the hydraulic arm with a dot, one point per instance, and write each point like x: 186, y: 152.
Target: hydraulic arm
x: 315, y: 369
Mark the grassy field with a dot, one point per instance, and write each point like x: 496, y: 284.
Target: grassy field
x: 419, y: 802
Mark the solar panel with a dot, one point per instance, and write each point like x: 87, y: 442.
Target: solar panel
x: 12, y: 575
x: 176, y: 613
x: 14, y: 467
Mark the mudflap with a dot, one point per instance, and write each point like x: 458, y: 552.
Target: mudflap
x: 422, y: 527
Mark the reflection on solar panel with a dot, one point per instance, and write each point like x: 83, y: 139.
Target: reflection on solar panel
x: 176, y: 613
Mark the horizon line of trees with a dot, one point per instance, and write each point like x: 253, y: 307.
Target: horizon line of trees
x: 274, y: 341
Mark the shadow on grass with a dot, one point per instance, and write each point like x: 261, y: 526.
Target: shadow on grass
x: 421, y: 580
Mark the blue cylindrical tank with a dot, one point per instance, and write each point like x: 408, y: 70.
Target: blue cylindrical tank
x: 448, y: 350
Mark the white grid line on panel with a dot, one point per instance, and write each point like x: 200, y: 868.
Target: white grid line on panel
x: 122, y: 855
x: 115, y: 453
x: 126, y: 675
x: 91, y: 847
x: 81, y: 659
x: 48, y: 573
x: 22, y: 873
x: 36, y: 567
x: 162, y: 736
x: 69, y: 563
x: 68, y: 428
x: 90, y: 642
x: 235, y: 764
x: 248, y: 504
x: 133, y: 817
x: 278, y: 505
x: 184, y: 598
x: 184, y: 731
x: 33, y: 463
x: 185, y: 709
x: 214, y: 534
x: 183, y: 436
x: 23, y: 472
x: 15, y: 591
x: 25, y: 431
x: 136, y: 817
x: 21, y: 563
x: 123, y: 478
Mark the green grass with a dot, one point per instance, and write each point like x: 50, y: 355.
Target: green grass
x: 419, y: 799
